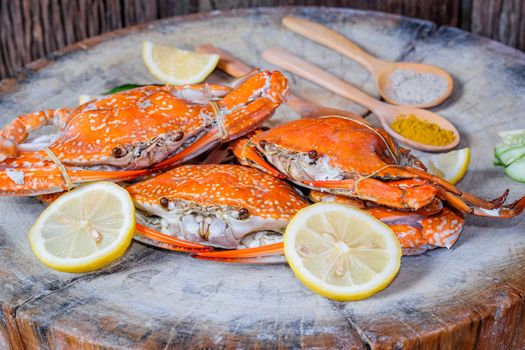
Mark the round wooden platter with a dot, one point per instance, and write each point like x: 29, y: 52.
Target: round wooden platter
x: 471, y: 296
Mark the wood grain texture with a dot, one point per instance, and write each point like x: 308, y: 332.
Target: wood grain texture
x: 502, y: 20
x: 469, y: 297
x: 32, y: 29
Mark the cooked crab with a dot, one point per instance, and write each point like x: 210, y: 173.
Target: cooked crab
x: 347, y: 157
x: 131, y: 133
x: 226, y: 206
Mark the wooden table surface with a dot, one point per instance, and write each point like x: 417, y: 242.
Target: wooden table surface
x: 32, y: 29
x: 472, y: 296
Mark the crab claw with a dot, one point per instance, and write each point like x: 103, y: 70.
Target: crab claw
x: 244, y: 109
x: 272, y: 253
x: 169, y: 242
x: 417, y: 233
x: 18, y: 130
x: 271, y: 90
x: 499, y: 201
x: 505, y: 212
x: 393, y: 196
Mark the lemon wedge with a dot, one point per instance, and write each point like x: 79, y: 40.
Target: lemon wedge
x: 451, y: 166
x: 177, y: 67
x: 84, y: 229
x: 341, y: 252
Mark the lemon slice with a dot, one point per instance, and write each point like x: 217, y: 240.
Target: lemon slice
x: 451, y: 166
x: 341, y: 252
x: 177, y: 67
x: 84, y: 229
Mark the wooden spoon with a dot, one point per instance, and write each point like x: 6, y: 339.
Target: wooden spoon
x: 384, y: 111
x: 236, y: 68
x: 381, y: 70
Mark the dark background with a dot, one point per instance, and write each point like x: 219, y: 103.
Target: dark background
x: 30, y: 29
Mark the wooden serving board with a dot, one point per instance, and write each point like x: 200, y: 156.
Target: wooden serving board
x: 471, y: 296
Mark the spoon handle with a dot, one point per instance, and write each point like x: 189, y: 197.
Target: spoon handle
x: 327, y: 37
x: 309, y: 71
x: 227, y: 62
x: 236, y: 68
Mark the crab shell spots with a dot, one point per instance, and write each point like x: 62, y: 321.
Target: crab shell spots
x: 95, y: 129
x: 224, y: 185
x: 349, y: 145
x: 443, y: 230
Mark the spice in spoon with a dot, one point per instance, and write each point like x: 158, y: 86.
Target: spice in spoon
x: 422, y: 131
x: 414, y: 88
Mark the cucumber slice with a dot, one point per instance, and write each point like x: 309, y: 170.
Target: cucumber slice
x: 511, y: 155
x: 503, y: 148
x: 513, y: 136
x: 516, y: 171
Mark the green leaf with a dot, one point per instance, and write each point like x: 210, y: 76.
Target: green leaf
x: 125, y: 87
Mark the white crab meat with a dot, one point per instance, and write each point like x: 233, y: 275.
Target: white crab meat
x: 215, y: 228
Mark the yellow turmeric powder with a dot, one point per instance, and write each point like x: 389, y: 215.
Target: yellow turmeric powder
x: 422, y: 131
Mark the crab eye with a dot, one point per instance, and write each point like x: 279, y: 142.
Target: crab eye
x: 164, y: 202
x: 118, y: 152
x: 313, y: 154
x: 263, y: 143
x: 244, y: 214
x: 179, y: 136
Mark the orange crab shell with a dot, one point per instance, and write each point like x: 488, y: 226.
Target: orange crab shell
x: 360, y: 145
x: 225, y: 185
x: 141, y: 114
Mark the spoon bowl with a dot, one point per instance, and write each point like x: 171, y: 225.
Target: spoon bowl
x: 388, y: 113
x: 385, y: 77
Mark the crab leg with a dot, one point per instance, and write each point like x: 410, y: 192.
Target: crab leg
x: 260, y: 255
x: 467, y: 197
x: 170, y: 242
x: 18, y: 130
x: 218, y: 155
x: 505, y: 212
x: 407, y: 172
x: 463, y: 201
x: 29, y: 176
x: 318, y: 196
x: 414, y: 197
